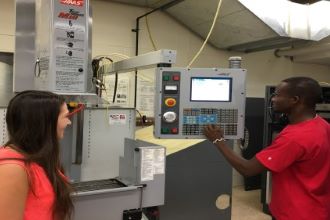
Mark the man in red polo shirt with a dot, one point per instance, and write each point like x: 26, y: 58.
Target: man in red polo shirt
x: 298, y: 158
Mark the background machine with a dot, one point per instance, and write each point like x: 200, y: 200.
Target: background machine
x: 114, y: 175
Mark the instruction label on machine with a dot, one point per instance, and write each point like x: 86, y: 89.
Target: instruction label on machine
x: 70, y: 47
x: 152, y: 162
x: 117, y: 119
x: 145, y: 99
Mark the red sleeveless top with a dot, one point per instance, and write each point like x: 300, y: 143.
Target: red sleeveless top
x: 40, y: 199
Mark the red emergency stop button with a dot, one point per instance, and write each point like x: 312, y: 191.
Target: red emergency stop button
x: 170, y: 102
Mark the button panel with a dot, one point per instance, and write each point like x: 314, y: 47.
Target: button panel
x: 170, y: 103
x: 195, y: 119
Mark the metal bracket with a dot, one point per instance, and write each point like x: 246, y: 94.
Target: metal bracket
x: 144, y: 61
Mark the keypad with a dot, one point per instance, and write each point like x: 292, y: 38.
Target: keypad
x: 195, y: 119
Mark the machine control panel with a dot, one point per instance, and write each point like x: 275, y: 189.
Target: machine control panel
x: 187, y: 100
x: 170, y: 102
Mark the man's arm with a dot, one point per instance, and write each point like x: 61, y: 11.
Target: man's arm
x: 245, y: 167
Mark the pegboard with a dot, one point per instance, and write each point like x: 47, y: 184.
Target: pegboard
x: 3, y: 127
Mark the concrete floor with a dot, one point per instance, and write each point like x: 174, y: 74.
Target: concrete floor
x: 246, y: 205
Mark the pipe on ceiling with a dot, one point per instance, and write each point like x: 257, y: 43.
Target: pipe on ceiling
x: 303, y: 51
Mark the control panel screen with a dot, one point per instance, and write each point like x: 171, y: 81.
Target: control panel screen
x: 171, y: 89
x: 214, y: 89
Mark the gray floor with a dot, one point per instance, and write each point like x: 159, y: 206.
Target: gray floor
x: 246, y: 205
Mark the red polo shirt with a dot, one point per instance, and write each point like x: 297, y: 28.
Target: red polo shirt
x: 299, y: 160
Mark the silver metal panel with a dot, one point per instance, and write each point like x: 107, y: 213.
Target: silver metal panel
x: 102, y: 191
x: 144, y: 61
x: 103, y: 141
x: 6, y: 83
x: 26, y: 39
x: 111, y: 202
x: 89, y: 85
x: 68, y: 151
x: 6, y: 93
x: 105, y: 206
x: 63, y: 41
x: 268, y: 187
x: 24, y: 57
x: 144, y: 163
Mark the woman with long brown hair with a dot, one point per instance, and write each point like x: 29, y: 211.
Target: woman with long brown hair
x: 32, y: 185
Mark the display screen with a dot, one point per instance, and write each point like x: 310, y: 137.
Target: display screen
x: 214, y: 89
x: 171, y: 87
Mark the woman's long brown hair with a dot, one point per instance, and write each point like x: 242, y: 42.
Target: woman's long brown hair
x: 32, y: 126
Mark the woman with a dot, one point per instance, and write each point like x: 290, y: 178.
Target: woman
x: 32, y: 185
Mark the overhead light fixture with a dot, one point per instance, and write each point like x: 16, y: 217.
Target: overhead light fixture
x: 289, y: 19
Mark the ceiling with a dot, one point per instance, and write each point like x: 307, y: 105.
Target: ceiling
x: 236, y: 29
x: 305, y: 1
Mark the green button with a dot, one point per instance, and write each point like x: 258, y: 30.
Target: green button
x: 165, y: 130
x: 166, y: 78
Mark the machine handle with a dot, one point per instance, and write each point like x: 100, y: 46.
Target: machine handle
x: 37, y: 68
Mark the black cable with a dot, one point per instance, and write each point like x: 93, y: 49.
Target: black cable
x: 142, y: 122
x: 96, y: 64
x: 95, y: 68
x: 138, y: 113
x: 115, y: 88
